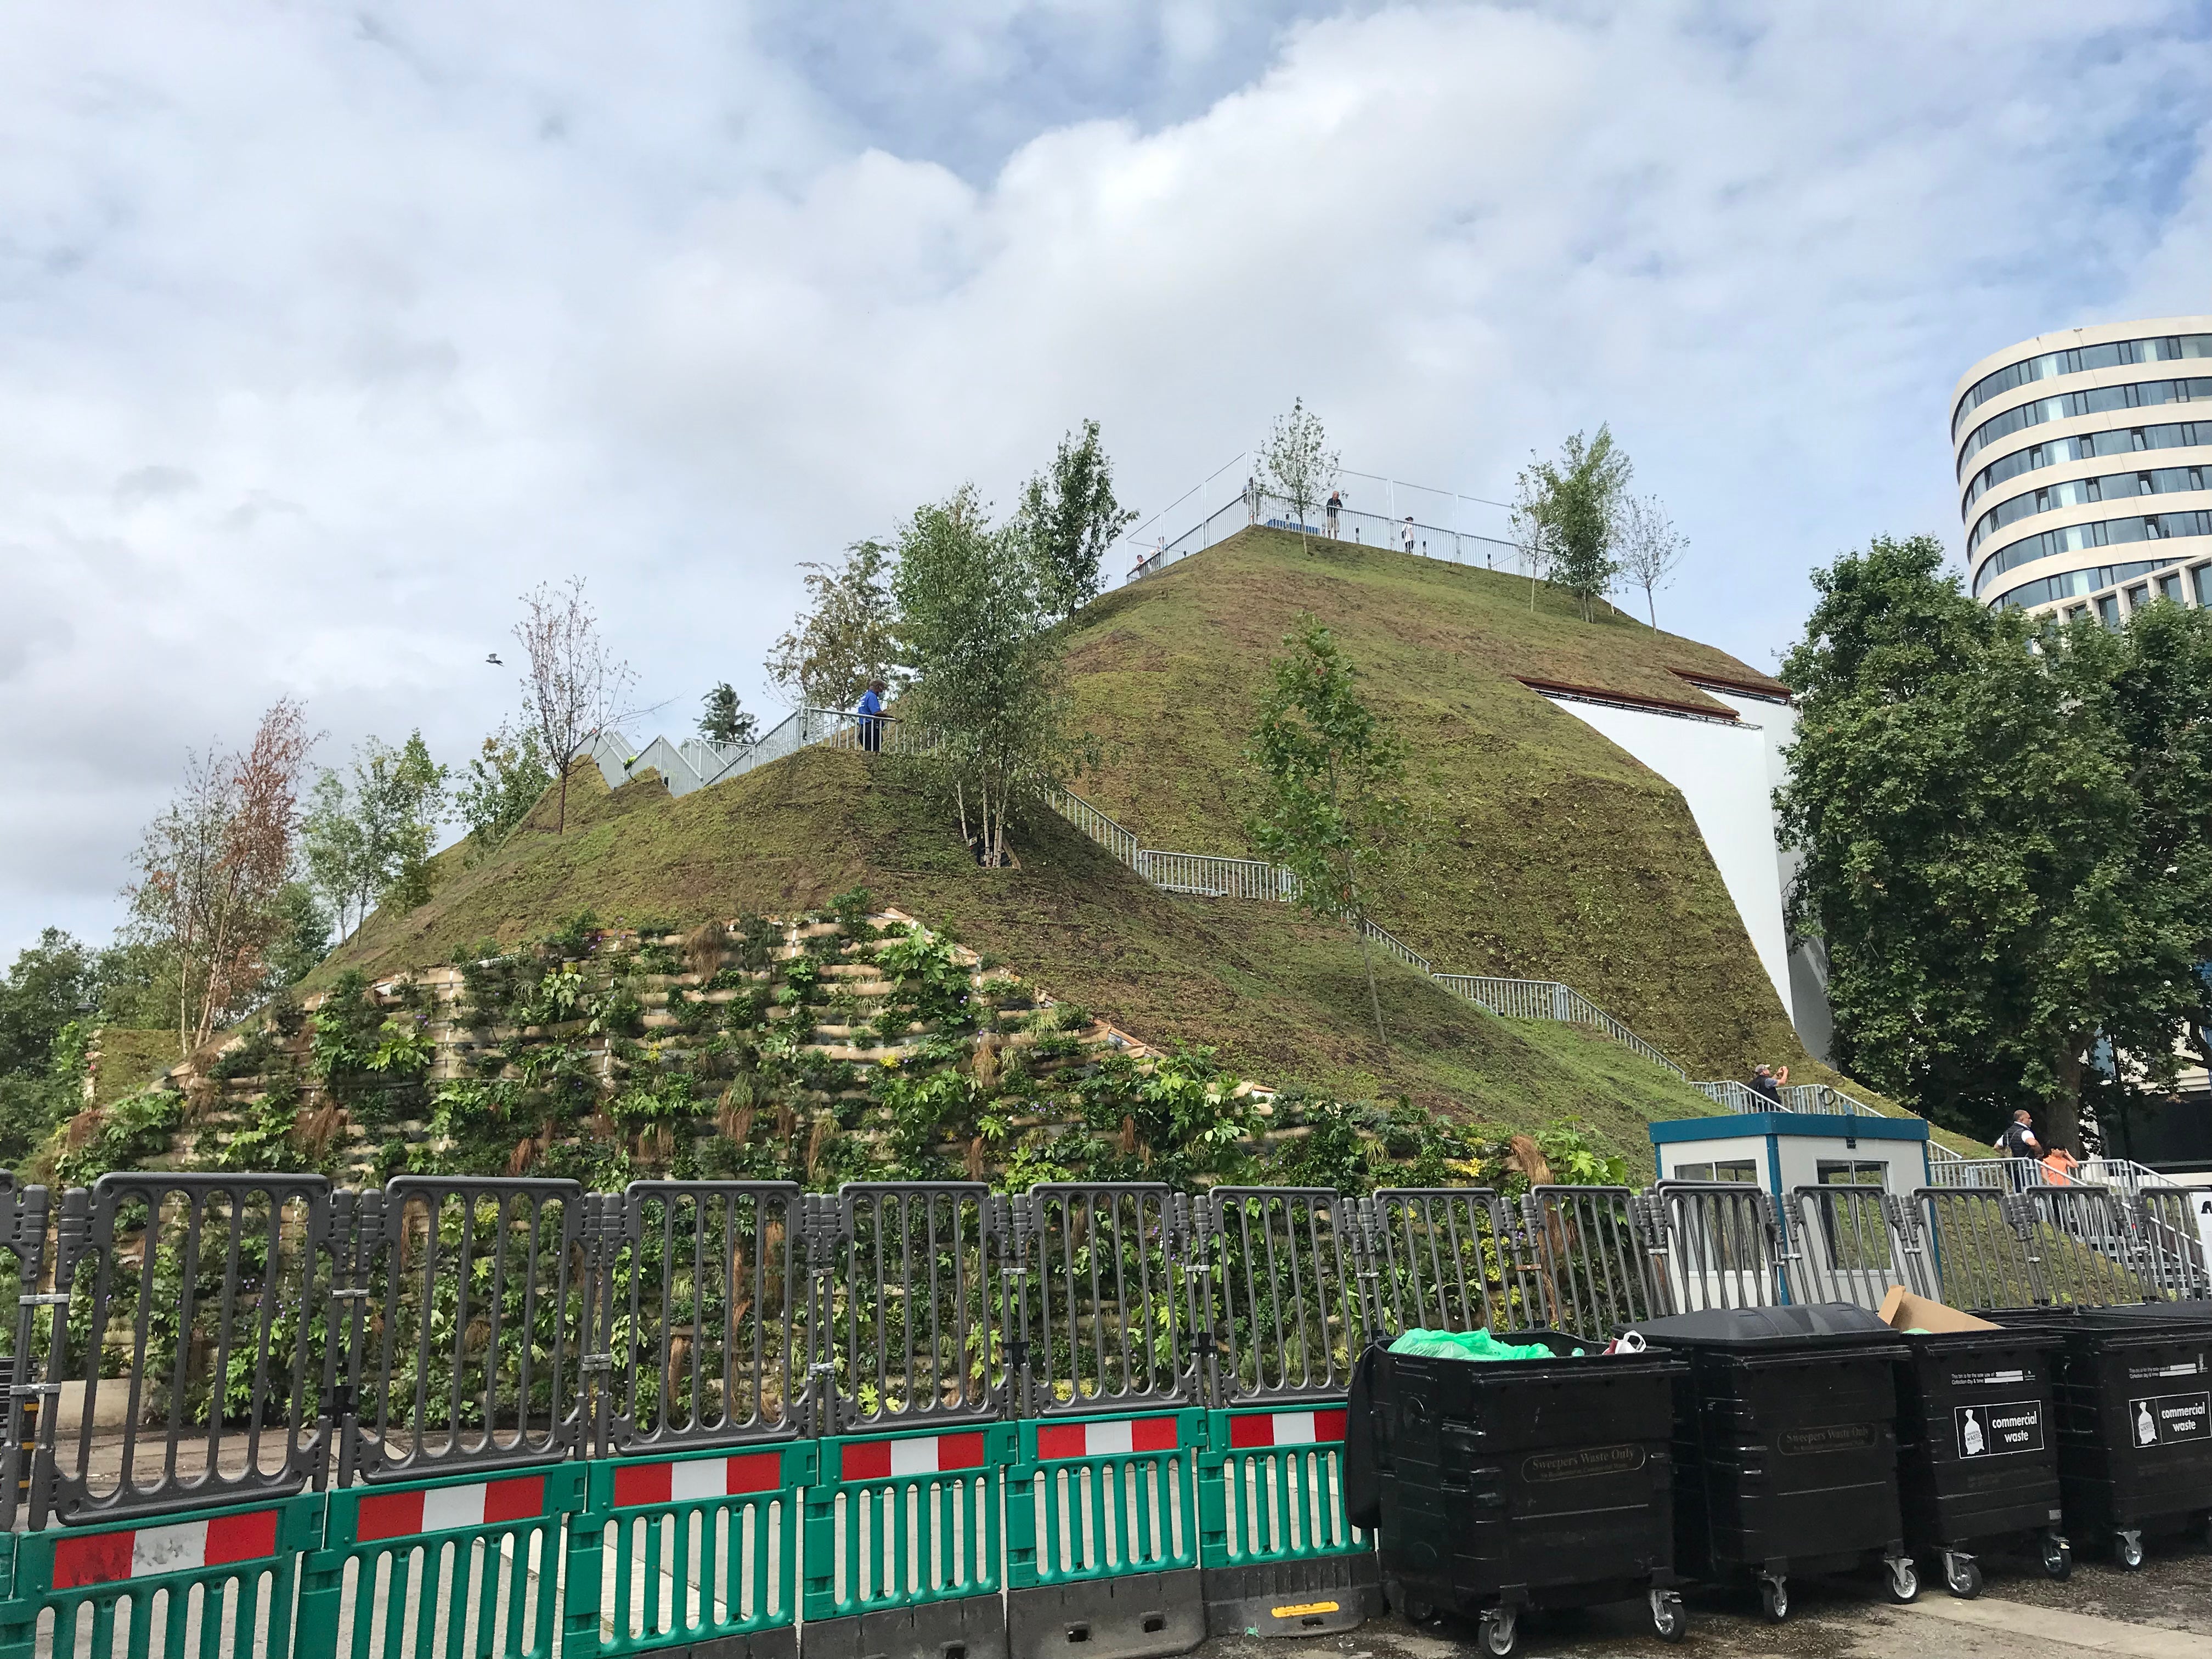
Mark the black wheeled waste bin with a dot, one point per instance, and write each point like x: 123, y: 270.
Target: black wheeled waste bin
x: 2134, y: 1400
x: 1978, y: 1449
x: 1785, y: 1446
x: 1505, y: 1485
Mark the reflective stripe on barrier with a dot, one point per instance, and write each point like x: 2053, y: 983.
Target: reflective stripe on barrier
x: 1101, y: 1537
x: 219, y: 1581
x: 901, y: 1544
x: 1279, y: 1555
x: 698, y: 1548
x: 453, y: 1569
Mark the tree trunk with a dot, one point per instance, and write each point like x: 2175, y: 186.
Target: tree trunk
x: 561, y: 817
x: 2062, y: 1124
x: 1652, y: 606
x: 1367, y: 960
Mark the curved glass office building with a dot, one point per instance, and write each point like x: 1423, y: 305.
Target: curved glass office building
x: 2085, y: 468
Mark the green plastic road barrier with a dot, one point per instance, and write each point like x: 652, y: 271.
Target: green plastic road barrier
x: 901, y: 1544
x: 469, y: 1568
x: 215, y: 1581
x: 1280, y: 1556
x: 1101, y: 1536
x: 697, y: 1547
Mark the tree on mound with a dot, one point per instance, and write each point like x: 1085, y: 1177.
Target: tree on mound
x: 1334, y: 773
x: 974, y: 605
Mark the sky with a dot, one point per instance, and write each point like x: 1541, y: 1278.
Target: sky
x: 326, y: 331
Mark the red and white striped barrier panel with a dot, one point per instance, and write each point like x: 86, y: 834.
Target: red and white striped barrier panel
x: 105, y: 1557
x: 695, y: 1480
x: 1286, y: 1428
x: 1135, y: 1434
x: 938, y: 1453
x: 443, y: 1508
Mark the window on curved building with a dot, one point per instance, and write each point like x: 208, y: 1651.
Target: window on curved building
x: 2082, y: 492
x: 2077, y: 584
x: 2088, y: 447
x: 2082, y: 537
x: 2094, y: 400
x: 2114, y: 353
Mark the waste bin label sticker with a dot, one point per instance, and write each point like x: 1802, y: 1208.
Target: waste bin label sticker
x: 1833, y: 1438
x: 2163, y: 1420
x: 1582, y: 1463
x: 1986, y: 1379
x: 2136, y: 1373
x: 1999, y: 1431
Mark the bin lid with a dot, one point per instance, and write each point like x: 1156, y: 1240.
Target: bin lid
x: 1829, y: 1324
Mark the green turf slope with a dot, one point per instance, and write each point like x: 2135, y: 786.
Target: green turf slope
x: 1283, y: 1000
x: 1546, y: 851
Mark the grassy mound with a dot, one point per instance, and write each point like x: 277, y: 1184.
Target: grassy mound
x: 1546, y: 851
x: 1283, y: 1000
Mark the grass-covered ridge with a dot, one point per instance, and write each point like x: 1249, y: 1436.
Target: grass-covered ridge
x: 1282, y: 1000
x: 1549, y: 854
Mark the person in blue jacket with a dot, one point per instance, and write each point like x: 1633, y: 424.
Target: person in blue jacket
x: 872, y: 717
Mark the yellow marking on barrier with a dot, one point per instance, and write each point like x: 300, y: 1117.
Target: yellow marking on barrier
x: 1300, y: 1609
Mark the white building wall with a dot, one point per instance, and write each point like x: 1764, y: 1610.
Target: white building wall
x: 1723, y: 769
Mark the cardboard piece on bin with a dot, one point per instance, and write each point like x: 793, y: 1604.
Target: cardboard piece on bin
x: 1904, y: 1311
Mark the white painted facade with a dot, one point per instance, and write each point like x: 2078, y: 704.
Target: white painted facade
x: 1726, y: 772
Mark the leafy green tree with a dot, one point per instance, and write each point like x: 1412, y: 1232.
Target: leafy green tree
x: 1567, y: 517
x: 847, y: 636
x: 1297, y: 463
x: 305, y: 937
x: 44, y: 1002
x: 502, y: 785
x: 987, y: 672
x: 1069, y: 517
x: 369, y: 839
x: 1974, y: 843
x: 1332, y: 774
x: 722, y: 720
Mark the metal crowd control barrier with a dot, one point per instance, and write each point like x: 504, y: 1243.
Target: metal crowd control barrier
x: 1715, y: 1244
x: 485, y: 1419
x: 1289, y: 1307
x: 1586, y: 1260
x: 481, y: 1286
x: 1445, y: 1258
x: 1854, y: 1244
x: 214, y: 1284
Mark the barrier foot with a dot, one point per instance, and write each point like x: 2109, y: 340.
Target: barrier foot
x: 1134, y: 1618
x: 1293, y: 1598
x: 782, y: 1642
x: 968, y: 1627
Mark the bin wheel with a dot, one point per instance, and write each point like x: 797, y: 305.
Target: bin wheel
x: 1962, y: 1577
x: 1417, y: 1611
x: 2057, y: 1557
x: 1668, y: 1617
x: 1774, y: 1599
x: 2128, y: 1550
x: 1500, y: 1633
x: 1904, y: 1583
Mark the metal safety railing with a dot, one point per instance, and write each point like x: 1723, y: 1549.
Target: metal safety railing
x: 515, y: 1416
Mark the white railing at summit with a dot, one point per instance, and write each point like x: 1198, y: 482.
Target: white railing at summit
x: 2018, y: 1174
x: 1815, y: 1098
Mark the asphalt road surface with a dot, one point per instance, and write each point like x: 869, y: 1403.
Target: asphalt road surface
x: 2162, y: 1611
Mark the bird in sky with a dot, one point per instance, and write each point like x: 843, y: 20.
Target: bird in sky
x: 492, y: 657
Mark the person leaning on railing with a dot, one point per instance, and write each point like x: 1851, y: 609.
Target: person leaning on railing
x: 871, y: 716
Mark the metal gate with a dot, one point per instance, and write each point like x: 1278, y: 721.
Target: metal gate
x: 1445, y: 1258
x: 1285, y: 1270
x: 1102, y: 1524
x: 1715, y: 1244
x: 1854, y: 1244
x: 1586, y: 1260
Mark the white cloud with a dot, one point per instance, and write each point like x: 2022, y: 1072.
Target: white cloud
x: 323, y: 336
